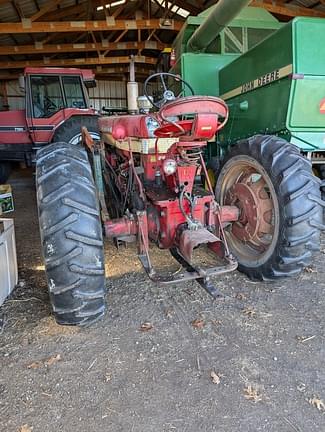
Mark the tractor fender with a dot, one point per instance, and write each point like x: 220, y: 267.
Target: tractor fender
x: 70, y: 130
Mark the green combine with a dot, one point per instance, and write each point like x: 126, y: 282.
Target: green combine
x: 271, y: 75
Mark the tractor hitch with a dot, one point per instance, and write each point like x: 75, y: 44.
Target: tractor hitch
x: 138, y: 228
x: 201, y: 275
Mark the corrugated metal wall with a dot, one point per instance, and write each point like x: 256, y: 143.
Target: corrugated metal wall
x: 16, y: 98
x: 108, y: 94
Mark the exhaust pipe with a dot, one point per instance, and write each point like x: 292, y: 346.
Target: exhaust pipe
x: 132, y: 89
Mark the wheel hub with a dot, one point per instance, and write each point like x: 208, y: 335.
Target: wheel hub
x: 254, y: 224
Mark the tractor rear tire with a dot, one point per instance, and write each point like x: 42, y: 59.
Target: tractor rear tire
x: 70, y: 131
x: 289, y: 232
x: 5, y: 170
x: 71, y: 234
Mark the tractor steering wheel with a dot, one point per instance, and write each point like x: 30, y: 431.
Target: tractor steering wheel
x: 166, y: 92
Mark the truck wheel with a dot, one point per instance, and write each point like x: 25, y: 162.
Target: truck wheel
x: 70, y: 131
x: 280, y: 207
x: 5, y: 170
x: 71, y: 234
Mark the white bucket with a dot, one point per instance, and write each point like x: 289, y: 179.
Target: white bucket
x: 8, y: 258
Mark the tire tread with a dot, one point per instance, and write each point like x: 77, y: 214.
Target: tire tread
x: 300, y: 205
x: 68, y: 213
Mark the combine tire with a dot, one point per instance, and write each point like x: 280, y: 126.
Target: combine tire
x: 71, y: 234
x: 70, y: 131
x: 5, y: 170
x: 280, y: 207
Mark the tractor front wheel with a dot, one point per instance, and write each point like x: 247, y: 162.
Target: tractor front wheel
x: 279, y: 200
x: 71, y: 234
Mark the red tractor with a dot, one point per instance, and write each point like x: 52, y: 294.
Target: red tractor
x: 57, y: 105
x: 146, y: 181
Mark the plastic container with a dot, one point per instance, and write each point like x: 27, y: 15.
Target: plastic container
x: 8, y: 258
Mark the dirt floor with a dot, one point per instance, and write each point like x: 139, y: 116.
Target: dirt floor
x: 162, y: 359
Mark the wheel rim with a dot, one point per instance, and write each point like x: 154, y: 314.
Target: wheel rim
x: 245, y: 184
x: 76, y: 140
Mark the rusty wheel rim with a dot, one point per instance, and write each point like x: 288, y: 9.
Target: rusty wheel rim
x: 247, y: 185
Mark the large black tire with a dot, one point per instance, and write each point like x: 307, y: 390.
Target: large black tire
x: 71, y: 234
x: 5, y: 170
x: 70, y: 131
x: 297, y: 207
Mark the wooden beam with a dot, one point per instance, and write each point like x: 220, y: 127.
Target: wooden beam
x: 9, y: 76
x: 48, y: 7
x: 193, y: 10
x: 287, y: 10
x: 39, y: 48
x: 110, y: 24
x: 78, y: 62
x: 99, y: 72
x: 18, y: 10
x: 122, y: 69
x: 165, y: 15
x: 65, y: 12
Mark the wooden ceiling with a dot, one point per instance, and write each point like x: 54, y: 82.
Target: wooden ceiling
x: 102, y: 34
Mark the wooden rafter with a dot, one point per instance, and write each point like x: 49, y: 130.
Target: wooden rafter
x: 79, y: 62
x: 65, y: 12
x: 100, y: 71
x: 184, y: 5
x: 18, y: 10
x: 123, y: 69
x: 48, y: 7
x: 287, y: 9
x: 80, y: 26
x: 165, y: 15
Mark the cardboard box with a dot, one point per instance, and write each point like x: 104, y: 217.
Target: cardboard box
x: 6, y: 199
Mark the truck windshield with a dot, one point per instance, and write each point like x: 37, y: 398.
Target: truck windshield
x: 47, y: 96
x: 73, y: 92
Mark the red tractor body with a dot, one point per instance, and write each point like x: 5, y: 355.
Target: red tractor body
x: 162, y: 154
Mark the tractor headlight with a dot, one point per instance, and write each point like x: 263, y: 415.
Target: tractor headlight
x: 169, y: 166
x: 152, y: 124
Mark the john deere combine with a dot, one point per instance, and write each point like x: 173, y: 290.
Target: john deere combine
x: 271, y: 75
